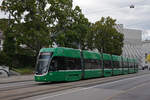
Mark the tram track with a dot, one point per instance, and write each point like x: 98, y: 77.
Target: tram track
x: 44, y: 88
x: 24, y: 84
x: 18, y: 87
x: 15, y: 81
x: 10, y: 86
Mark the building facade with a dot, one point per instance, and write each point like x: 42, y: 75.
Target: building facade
x: 132, y: 43
x: 146, y: 52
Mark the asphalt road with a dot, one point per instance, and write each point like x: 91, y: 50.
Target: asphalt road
x: 17, y: 84
x: 135, y: 88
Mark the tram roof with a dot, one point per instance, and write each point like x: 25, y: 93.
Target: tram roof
x: 62, y: 51
x: 131, y: 60
x: 91, y: 55
x: 116, y: 58
x: 125, y: 59
x: 106, y: 56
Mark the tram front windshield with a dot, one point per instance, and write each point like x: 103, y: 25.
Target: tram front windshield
x: 42, y: 63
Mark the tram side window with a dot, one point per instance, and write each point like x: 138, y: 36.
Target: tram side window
x: 131, y: 65
x: 107, y: 64
x: 92, y: 64
x: 125, y: 64
x: 66, y: 63
x: 57, y: 62
x: 72, y: 63
x: 100, y: 62
x: 87, y: 64
x: 136, y: 65
x: 120, y: 64
x: 116, y: 64
x: 78, y: 63
x: 69, y: 64
x: 95, y: 64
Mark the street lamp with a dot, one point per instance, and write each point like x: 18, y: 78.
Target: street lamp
x: 131, y: 6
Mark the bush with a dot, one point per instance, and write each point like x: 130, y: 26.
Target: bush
x: 4, y: 59
x: 24, y: 71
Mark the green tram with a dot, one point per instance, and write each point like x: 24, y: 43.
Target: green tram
x: 67, y: 64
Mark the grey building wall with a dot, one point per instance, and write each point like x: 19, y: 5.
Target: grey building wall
x: 132, y: 42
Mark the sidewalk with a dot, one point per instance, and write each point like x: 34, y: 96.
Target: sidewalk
x: 13, y: 79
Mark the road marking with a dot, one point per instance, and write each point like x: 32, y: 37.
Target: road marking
x: 128, y: 90
x: 121, y: 80
x: 62, y: 94
x: 52, y: 96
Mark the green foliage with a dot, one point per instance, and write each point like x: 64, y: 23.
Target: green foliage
x: 3, y: 24
x: 27, y: 32
x: 71, y: 28
x: 8, y: 47
x: 24, y: 70
x: 4, y: 59
x: 41, y: 23
x: 105, y: 37
x: 13, y: 55
x: 30, y: 23
x: 81, y: 26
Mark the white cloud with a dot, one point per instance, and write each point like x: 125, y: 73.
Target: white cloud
x: 138, y: 17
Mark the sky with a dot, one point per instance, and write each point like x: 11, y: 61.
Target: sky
x: 135, y: 18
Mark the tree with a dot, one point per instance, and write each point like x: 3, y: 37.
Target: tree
x: 71, y: 28
x: 105, y: 37
x: 4, y: 24
x: 28, y: 31
x: 8, y: 50
x: 29, y: 23
x: 81, y: 26
x: 40, y: 23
